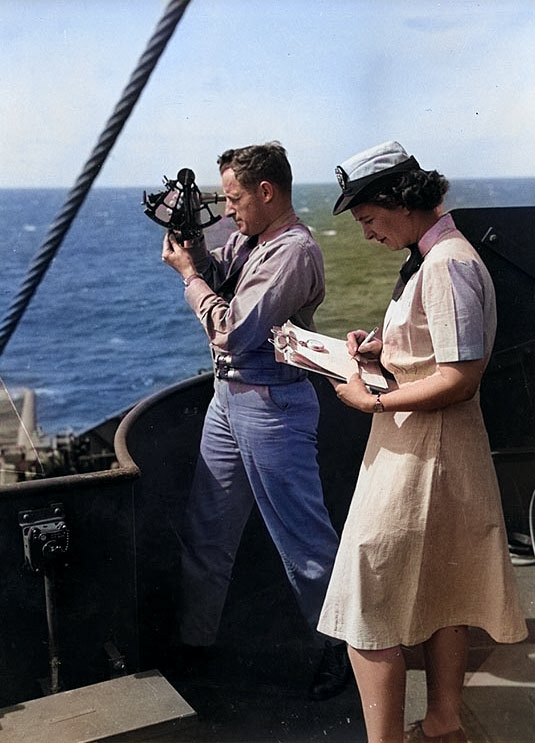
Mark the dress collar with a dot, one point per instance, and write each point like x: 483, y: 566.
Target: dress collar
x: 437, y: 232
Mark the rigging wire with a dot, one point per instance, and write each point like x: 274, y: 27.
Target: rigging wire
x: 24, y: 432
x: 59, y: 228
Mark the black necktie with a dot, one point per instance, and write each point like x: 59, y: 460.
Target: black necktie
x: 411, y: 265
x: 228, y: 286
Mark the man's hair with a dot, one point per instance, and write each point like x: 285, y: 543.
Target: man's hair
x: 257, y: 163
x: 416, y: 189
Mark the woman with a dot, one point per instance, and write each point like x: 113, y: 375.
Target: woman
x: 424, y: 551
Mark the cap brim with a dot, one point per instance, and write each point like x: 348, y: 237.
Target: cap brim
x: 344, y: 203
x: 357, y: 191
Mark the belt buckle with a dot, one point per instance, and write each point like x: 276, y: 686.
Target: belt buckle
x: 222, y: 366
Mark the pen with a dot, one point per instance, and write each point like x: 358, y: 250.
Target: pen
x: 370, y: 336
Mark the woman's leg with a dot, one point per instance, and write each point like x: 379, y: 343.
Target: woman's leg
x: 446, y: 654
x: 381, y: 678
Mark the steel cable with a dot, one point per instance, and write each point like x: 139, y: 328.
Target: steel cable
x: 79, y: 191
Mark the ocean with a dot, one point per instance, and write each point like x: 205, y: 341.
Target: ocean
x: 108, y: 325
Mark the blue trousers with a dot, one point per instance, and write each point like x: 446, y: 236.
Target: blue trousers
x: 258, y: 444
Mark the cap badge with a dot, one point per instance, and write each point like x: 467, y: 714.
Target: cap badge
x: 341, y: 177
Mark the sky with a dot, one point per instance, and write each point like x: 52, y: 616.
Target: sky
x: 452, y: 81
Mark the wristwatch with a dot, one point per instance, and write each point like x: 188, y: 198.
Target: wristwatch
x: 378, y: 407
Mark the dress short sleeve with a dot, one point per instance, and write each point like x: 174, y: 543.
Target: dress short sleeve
x: 453, y: 298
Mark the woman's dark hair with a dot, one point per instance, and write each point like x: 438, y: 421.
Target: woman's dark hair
x: 257, y: 163
x: 415, y: 189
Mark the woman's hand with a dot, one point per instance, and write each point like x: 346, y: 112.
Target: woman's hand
x: 177, y: 255
x: 358, y: 349
x: 355, y: 394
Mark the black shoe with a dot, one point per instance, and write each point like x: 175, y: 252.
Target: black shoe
x: 333, y: 674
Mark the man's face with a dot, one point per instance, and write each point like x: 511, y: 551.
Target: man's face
x: 247, y: 208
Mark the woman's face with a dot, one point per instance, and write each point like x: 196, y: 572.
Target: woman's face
x: 390, y: 227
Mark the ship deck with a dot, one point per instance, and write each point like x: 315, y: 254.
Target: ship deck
x: 252, y: 686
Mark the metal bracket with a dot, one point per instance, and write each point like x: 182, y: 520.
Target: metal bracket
x: 45, y: 536
x: 116, y: 661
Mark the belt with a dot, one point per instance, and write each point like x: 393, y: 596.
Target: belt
x: 247, y: 371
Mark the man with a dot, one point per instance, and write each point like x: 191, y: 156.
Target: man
x: 259, y: 436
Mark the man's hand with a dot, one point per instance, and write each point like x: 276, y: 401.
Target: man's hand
x: 177, y: 255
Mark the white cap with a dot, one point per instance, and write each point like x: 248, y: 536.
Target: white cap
x: 357, y: 172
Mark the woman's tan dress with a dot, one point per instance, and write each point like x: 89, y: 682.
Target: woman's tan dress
x: 424, y: 545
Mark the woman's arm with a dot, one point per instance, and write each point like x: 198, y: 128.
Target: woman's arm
x: 449, y: 384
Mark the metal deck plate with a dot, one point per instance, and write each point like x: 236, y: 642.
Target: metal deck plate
x: 123, y: 709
